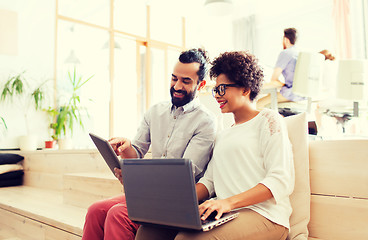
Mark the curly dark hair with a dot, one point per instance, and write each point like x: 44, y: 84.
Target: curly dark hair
x: 240, y: 67
x: 198, y: 55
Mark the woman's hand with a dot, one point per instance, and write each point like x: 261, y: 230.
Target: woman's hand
x: 209, y: 206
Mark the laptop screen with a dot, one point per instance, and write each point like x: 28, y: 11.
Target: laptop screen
x: 161, y: 191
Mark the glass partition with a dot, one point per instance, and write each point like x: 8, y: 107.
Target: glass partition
x: 126, y: 80
x: 95, y: 12
x: 125, y: 90
x: 130, y: 16
x: 166, y: 26
x: 89, y: 59
x: 159, y: 79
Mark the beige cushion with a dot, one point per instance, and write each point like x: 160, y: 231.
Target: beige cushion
x: 300, y: 198
x: 10, y: 168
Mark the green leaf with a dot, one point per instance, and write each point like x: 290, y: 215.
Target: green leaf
x: 3, y: 120
x: 18, y: 85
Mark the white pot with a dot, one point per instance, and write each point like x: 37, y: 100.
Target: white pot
x: 66, y: 143
x: 28, y: 143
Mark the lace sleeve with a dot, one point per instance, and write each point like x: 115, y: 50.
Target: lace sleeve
x: 274, y: 125
x: 278, y: 160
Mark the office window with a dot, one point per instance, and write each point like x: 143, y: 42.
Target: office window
x: 88, y: 58
x: 142, y: 78
x: 129, y: 75
x: 159, y: 78
x: 130, y: 16
x: 166, y: 25
x: 161, y: 73
x: 95, y: 12
x: 125, y: 87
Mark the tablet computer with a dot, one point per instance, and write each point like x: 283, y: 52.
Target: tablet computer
x: 106, y: 151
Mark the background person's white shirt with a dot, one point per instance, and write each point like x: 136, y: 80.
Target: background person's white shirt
x: 257, y: 151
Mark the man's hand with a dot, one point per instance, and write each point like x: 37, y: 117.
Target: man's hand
x: 123, y: 147
x: 118, y: 175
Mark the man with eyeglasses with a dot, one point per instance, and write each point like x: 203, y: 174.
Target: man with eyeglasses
x: 182, y: 128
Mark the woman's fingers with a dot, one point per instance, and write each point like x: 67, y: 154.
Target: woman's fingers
x: 209, y: 207
x: 219, y: 214
x: 202, y: 208
x: 217, y: 207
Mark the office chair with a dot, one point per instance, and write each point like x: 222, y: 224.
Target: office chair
x: 307, y: 83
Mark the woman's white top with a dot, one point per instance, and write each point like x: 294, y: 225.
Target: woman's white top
x: 257, y: 151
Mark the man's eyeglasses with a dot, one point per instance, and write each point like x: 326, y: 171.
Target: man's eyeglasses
x: 221, y: 89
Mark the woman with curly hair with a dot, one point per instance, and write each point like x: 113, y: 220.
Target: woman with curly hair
x: 251, y: 169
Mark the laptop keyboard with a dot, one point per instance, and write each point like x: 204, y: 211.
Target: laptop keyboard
x: 210, y: 218
x: 207, y: 221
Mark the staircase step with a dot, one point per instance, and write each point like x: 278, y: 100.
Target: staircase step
x: 65, y: 161
x: 45, y: 168
x: 39, y: 214
x: 82, y: 189
x: 7, y: 233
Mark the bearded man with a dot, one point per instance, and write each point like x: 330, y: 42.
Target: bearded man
x: 182, y: 128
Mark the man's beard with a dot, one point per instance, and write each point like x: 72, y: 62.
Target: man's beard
x: 188, y: 97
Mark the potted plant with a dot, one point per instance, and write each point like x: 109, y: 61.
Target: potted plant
x: 52, y: 113
x: 17, y: 87
x: 68, y: 113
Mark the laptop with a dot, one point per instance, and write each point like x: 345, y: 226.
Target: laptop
x: 162, y: 192
x: 106, y: 151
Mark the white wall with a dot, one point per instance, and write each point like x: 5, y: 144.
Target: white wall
x: 36, y: 24
x: 312, y: 18
x: 36, y: 41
